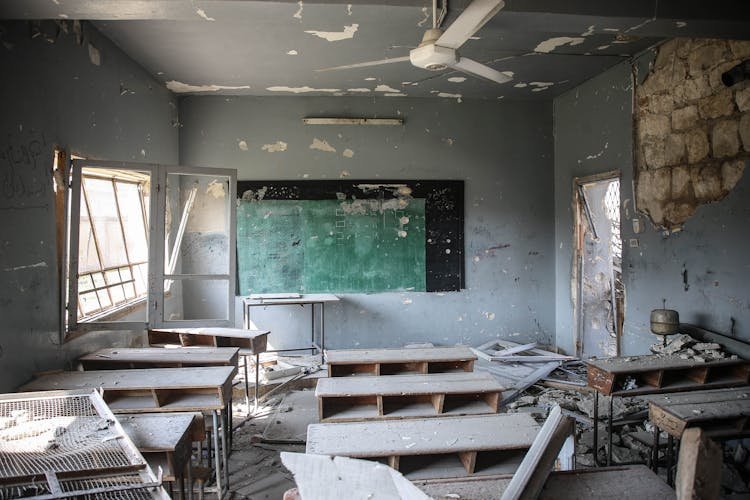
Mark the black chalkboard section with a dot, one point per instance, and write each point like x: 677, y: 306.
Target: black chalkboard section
x: 443, y: 215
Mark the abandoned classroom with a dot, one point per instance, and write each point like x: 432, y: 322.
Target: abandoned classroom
x: 470, y: 248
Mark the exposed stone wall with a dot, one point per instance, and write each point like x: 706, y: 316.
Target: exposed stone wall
x: 692, y: 132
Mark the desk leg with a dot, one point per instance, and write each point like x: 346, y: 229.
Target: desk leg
x: 655, y: 451
x: 596, y: 429
x: 246, y: 317
x: 247, y: 385
x: 217, y: 454
x: 312, y: 325
x: 225, y: 455
x: 609, y: 432
x: 189, y: 472
x: 257, y: 383
x: 322, y: 332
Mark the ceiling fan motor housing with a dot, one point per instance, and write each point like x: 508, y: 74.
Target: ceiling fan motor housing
x: 433, y: 57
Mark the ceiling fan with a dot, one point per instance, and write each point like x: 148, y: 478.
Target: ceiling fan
x: 438, y: 50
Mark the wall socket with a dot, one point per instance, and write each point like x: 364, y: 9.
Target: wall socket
x: 633, y: 242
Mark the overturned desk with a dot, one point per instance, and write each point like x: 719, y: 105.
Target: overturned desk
x: 160, y: 390
x: 294, y: 299
x: 250, y: 343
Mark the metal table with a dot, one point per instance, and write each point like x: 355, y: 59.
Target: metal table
x: 311, y: 299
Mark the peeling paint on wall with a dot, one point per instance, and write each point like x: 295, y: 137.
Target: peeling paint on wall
x: 348, y: 153
x: 299, y: 90
x: 385, y: 88
x: 589, y: 31
x: 180, y: 87
x: 202, y: 13
x: 457, y: 79
x: 292, y: 53
x: 322, y: 145
x: 242, y: 145
x: 457, y: 97
x: 216, y: 189
x: 335, y: 36
x: 20, y: 268
x: 426, y: 14
x: 298, y: 14
x: 358, y: 90
x: 551, y: 44
x: 95, y: 56
x: 348, y: 9
x: 276, y: 147
x: 395, y: 94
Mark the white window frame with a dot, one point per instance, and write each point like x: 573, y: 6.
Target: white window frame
x: 156, y: 275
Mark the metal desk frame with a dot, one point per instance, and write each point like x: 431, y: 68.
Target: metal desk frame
x: 312, y: 299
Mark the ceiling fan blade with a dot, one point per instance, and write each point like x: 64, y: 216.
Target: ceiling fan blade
x: 474, y: 68
x: 366, y: 64
x: 471, y: 19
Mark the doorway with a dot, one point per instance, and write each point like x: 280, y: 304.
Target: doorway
x: 597, y: 274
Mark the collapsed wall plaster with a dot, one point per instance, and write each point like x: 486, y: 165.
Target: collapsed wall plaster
x: 692, y: 138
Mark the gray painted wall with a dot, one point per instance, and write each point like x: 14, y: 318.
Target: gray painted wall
x: 52, y: 94
x: 502, y: 150
x: 596, y: 117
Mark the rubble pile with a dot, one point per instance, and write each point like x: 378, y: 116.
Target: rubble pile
x: 626, y: 447
x: 686, y: 347
x: 735, y: 471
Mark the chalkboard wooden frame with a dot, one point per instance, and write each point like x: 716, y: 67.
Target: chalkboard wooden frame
x: 444, y: 216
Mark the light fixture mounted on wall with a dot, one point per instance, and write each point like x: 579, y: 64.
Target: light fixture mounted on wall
x: 353, y: 121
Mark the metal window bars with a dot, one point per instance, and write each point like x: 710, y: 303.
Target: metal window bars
x: 64, y: 444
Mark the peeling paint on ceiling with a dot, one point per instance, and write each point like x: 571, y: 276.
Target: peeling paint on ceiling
x: 180, y: 87
x: 335, y: 36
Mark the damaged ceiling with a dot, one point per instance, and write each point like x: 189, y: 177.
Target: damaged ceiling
x: 244, y: 47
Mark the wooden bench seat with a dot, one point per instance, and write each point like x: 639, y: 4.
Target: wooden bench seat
x: 432, y: 447
x: 407, y: 396
x: 346, y: 362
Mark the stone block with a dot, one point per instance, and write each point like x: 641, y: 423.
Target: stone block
x: 676, y: 213
x: 692, y: 89
x: 745, y: 131
x: 654, y: 186
x: 658, y: 81
x: 660, y: 104
x: 719, y: 104
x: 667, y: 53
x: 706, y: 183
x: 684, y: 46
x: 696, y: 143
x: 674, y: 149
x: 680, y: 182
x: 653, y: 126
x: 724, y: 139
x: 654, y: 154
x: 740, y: 48
x: 731, y: 173
x: 742, y: 98
x: 714, y: 76
x: 684, y: 118
x: 703, y: 58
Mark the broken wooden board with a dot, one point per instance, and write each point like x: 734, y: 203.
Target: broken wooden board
x: 151, y: 357
x: 250, y: 341
x: 320, y: 477
x: 658, y: 374
x: 610, y: 483
x: 435, y: 447
x: 531, y: 475
x: 505, y: 350
x: 719, y: 412
x: 148, y: 390
x: 698, y: 466
x: 407, y: 396
x: 344, y: 362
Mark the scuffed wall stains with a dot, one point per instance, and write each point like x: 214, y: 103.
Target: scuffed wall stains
x: 549, y: 45
x: 692, y: 132
x: 21, y: 268
x: 275, y: 147
x: 94, y: 55
x: 336, y: 36
x: 300, y: 90
x: 180, y: 87
x: 322, y: 145
x: 298, y: 13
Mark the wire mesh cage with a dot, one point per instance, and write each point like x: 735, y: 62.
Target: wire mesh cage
x: 64, y: 444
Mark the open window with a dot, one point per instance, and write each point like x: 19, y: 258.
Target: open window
x: 149, y: 246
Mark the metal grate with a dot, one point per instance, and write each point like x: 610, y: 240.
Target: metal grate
x: 62, y: 444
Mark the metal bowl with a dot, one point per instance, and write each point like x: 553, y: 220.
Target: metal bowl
x: 665, y: 321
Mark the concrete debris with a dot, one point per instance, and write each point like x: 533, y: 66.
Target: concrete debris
x: 686, y: 347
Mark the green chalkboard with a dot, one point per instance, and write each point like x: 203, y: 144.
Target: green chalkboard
x: 309, y: 246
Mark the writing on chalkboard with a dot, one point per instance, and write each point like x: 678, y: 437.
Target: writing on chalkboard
x: 355, y: 236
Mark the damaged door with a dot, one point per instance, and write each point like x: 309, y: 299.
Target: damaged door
x: 599, y: 292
